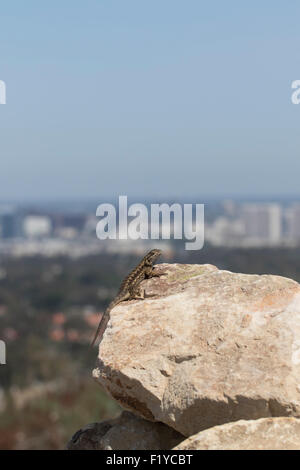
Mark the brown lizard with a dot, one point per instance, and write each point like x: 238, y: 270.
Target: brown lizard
x: 130, y: 288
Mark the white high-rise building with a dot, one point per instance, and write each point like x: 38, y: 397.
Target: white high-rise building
x: 37, y: 226
x: 262, y: 223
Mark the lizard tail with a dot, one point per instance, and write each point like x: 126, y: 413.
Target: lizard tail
x: 105, y: 318
x: 101, y: 327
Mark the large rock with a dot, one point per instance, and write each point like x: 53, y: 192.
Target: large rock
x: 207, y: 347
x: 127, y: 432
x: 260, y: 434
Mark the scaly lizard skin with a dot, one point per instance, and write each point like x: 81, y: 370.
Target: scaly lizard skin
x: 129, y: 288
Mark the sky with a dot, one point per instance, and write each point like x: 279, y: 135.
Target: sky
x: 184, y: 99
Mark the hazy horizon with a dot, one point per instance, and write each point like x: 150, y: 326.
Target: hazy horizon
x: 95, y: 201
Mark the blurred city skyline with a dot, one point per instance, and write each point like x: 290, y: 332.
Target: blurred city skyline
x: 52, y: 231
x: 148, y: 98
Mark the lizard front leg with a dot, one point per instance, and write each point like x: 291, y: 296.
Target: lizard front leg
x: 137, y: 293
x: 153, y: 273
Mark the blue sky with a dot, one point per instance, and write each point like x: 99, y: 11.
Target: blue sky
x: 148, y: 98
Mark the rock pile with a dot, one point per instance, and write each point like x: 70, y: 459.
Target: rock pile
x: 205, y: 348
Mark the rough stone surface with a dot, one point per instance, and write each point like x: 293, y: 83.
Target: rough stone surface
x: 207, y: 347
x: 260, y: 434
x: 127, y: 432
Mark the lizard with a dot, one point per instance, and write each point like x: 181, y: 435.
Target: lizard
x: 130, y: 289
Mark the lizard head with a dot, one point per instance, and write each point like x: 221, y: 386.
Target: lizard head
x: 153, y: 255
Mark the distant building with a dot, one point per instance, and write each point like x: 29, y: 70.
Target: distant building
x: 230, y: 207
x: 10, y: 222
x: 74, y: 221
x: 293, y: 223
x: 262, y: 223
x: 36, y: 226
x: 224, y: 232
x: 7, y: 225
